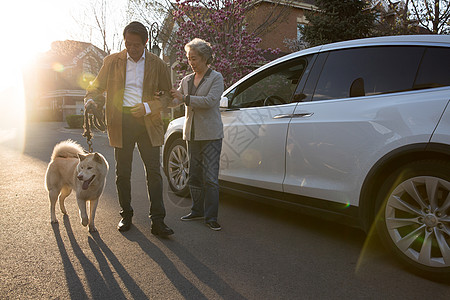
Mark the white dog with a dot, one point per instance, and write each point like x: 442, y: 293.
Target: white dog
x: 71, y: 169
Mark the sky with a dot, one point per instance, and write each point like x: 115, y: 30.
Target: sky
x: 28, y: 27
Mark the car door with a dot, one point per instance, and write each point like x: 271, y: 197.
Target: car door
x: 255, y: 126
x: 361, y: 101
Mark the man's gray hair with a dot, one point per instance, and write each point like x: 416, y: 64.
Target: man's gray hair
x: 202, y: 48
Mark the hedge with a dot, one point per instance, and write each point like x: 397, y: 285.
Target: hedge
x: 75, y: 121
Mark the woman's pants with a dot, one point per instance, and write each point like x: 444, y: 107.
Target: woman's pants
x: 204, y: 159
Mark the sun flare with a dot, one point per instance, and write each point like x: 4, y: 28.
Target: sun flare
x: 25, y: 33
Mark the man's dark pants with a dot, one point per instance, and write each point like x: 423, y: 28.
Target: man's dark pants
x: 134, y: 132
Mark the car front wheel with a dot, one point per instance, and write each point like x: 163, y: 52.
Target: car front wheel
x: 414, y: 216
x: 177, y: 167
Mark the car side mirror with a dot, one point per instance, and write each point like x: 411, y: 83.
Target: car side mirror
x: 223, y: 102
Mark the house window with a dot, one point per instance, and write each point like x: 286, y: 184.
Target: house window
x: 301, y: 22
x: 299, y: 33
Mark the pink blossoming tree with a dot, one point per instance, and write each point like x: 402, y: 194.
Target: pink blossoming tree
x: 221, y: 23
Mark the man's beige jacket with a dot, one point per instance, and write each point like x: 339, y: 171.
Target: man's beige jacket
x: 111, y: 79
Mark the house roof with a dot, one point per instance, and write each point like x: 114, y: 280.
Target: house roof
x: 69, y: 52
x: 305, y: 4
x: 63, y: 56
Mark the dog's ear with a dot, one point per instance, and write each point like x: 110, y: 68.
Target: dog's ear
x: 81, y: 156
x: 98, y: 158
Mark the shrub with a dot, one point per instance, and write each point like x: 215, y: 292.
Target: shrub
x: 75, y: 121
x: 166, y: 122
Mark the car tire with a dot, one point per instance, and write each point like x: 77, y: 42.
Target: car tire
x: 414, y: 216
x: 177, y: 167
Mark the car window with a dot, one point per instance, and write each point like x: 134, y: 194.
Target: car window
x: 305, y: 92
x: 230, y: 95
x: 274, y: 86
x: 368, y: 71
x: 434, y: 69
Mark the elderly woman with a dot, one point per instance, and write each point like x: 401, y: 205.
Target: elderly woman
x: 203, y: 131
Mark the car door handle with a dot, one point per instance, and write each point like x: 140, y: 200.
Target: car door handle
x: 302, y: 115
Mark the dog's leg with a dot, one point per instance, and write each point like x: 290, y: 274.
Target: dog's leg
x: 53, y: 195
x: 92, y: 208
x: 65, y: 191
x: 82, y: 209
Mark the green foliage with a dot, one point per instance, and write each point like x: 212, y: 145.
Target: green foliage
x: 338, y: 20
x: 75, y: 121
x: 166, y: 122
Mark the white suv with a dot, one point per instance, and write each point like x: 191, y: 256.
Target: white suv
x: 358, y: 131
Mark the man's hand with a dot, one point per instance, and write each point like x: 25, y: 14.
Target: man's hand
x: 158, y: 95
x: 89, y: 103
x: 138, y: 110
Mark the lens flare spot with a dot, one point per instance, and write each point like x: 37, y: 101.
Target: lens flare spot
x: 57, y: 67
x: 251, y: 158
x: 85, y: 80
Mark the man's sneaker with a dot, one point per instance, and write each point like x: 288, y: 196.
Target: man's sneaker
x: 213, y: 225
x: 191, y: 217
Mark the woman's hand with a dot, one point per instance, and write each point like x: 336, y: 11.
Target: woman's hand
x: 176, y: 94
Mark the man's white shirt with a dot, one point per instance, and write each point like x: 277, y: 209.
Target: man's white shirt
x: 134, y: 81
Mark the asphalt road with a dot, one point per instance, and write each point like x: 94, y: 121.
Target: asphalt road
x: 262, y: 252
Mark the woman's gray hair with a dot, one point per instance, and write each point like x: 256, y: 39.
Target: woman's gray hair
x: 202, y: 48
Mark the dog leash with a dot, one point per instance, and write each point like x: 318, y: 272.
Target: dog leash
x: 92, y: 117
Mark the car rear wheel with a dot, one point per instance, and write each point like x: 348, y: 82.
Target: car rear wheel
x: 177, y: 167
x: 414, y: 216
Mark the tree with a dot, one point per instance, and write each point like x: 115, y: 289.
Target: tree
x: 149, y: 11
x: 412, y: 17
x: 394, y: 18
x: 221, y: 23
x: 166, y: 13
x: 433, y: 15
x: 101, y: 23
x: 338, y: 20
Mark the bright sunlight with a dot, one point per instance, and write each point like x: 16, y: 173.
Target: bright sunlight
x: 27, y: 28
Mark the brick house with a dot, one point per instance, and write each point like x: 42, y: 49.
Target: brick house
x: 284, y: 34
x: 55, y: 84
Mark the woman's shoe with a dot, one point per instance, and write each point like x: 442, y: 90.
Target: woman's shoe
x: 191, y: 217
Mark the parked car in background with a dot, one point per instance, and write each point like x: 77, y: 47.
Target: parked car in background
x: 356, y: 131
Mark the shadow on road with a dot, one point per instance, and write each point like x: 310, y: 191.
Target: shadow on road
x: 100, y: 250
x: 288, y: 215
x: 74, y: 284
x: 101, y: 287
x: 203, y: 273
x: 186, y: 288
x: 96, y: 285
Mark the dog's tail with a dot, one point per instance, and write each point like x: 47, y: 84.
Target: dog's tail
x: 67, y: 149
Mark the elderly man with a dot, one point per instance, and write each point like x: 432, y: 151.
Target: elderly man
x: 132, y: 78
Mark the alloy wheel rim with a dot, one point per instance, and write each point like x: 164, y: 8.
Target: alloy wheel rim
x: 178, y: 167
x: 417, y: 217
